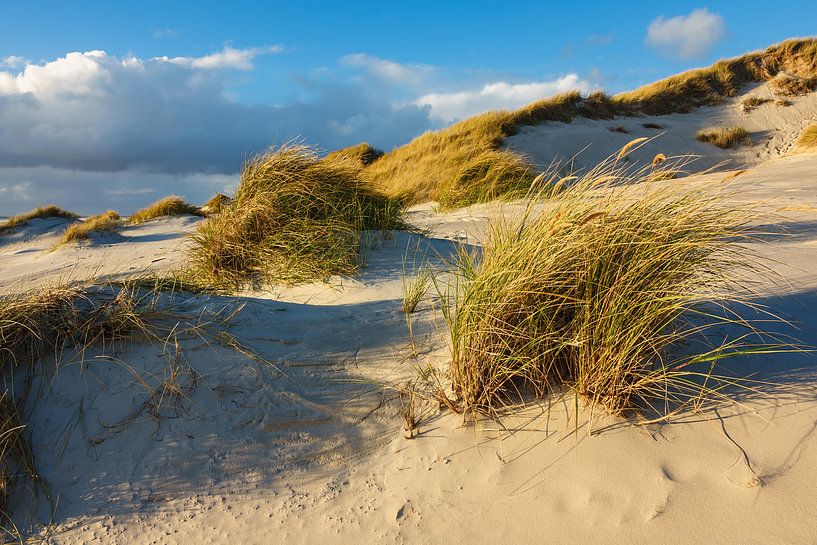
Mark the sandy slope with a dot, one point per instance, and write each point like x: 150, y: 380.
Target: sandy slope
x: 773, y: 129
x: 308, y: 449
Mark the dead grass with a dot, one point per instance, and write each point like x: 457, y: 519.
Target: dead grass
x: 463, y: 163
x: 725, y: 137
x: 362, y: 154
x: 216, y: 204
x: 101, y: 223
x: 167, y: 206
x: 597, y: 292
x: 49, y: 211
x: 295, y: 217
x: 49, y: 322
x: 808, y: 138
x: 750, y: 103
x: 788, y: 85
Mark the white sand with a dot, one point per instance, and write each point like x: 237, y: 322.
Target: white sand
x: 309, y: 452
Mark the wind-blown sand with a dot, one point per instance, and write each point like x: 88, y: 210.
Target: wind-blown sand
x: 307, y: 448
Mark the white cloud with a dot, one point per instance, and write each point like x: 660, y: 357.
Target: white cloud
x: 13, y: 61
x: 388, y: 70
x: 127, y: 118
x: 227, y: 58
x: 497, y: 96
x: 161, y: 33
x: 686, y: 36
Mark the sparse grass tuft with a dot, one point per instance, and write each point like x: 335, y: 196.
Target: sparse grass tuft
x: 362, y: 154
x: 415, y: 289
x: 750, y: 103
x: 50, y: 211
x: 215, y: 204
x: 294, y: 218
x: 106, y: 222
x: 788, y: 85
x: 651, y: 126
x: 618, y: 128
x: 725, y: 137
x: 596, y: 290
x: 48, y: 322
x: 783, y: 103
x: 808, y: 138
x: 167, y: 206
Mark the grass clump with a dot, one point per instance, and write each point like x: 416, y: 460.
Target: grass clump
x: 750, y: 103
x: 594, y: 291
x: 362, y: 154
x: 808, y: 138
x: 106, y: 222
x: 789, y: 85
x: 725, y: 137
x: 216, y: 204
x: 167, y: 206
x: 294, y: 217
x: 49, y: 211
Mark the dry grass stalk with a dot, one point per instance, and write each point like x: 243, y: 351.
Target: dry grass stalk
x: 750, y: 103
x: 167, y: 206
x: 597, y: 306
x: 725, y: 137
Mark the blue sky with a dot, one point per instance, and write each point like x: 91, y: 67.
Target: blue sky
x: 114, y: 104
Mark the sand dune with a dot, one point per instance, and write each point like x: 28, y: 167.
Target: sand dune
x: 307, y: 448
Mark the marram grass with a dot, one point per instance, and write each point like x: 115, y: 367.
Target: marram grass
x: 808, y: 138
x: 49, y: 211
x: 101, y: 223
x: 725, y: 137
x: 167, y: 206
x: 294, y: 217
x: 593, y: 289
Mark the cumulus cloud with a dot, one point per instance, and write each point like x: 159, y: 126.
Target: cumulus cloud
x: 97, y: 116
x: 497, y: 95
x: 686, y: 36
x: 91, y: 130
x: 13, y: 61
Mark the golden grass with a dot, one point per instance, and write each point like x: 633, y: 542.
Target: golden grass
x: 792, y: 86
x: 168, y: 206
x: 49, y: 211
x: 294, y: 217
x: 725, y: 137
x: 101, y: 223
x: 598, y: 290
x: 362, y: 154
x: 463, y: 163
x: 216, y: 204
x: 808, y: 138
x: 750, y: 103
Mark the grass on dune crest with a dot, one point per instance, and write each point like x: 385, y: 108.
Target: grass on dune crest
x: 594, y: 289
x: 295, y: 217
x: 167, y: 206
x: 808, y: 138
x: 725, y: 137
x: 49, y: 211
x: 788, y: 85
x: 362, y: 154
x: 439, y: 165
x: 101, y: 223
x: 216, y: 203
